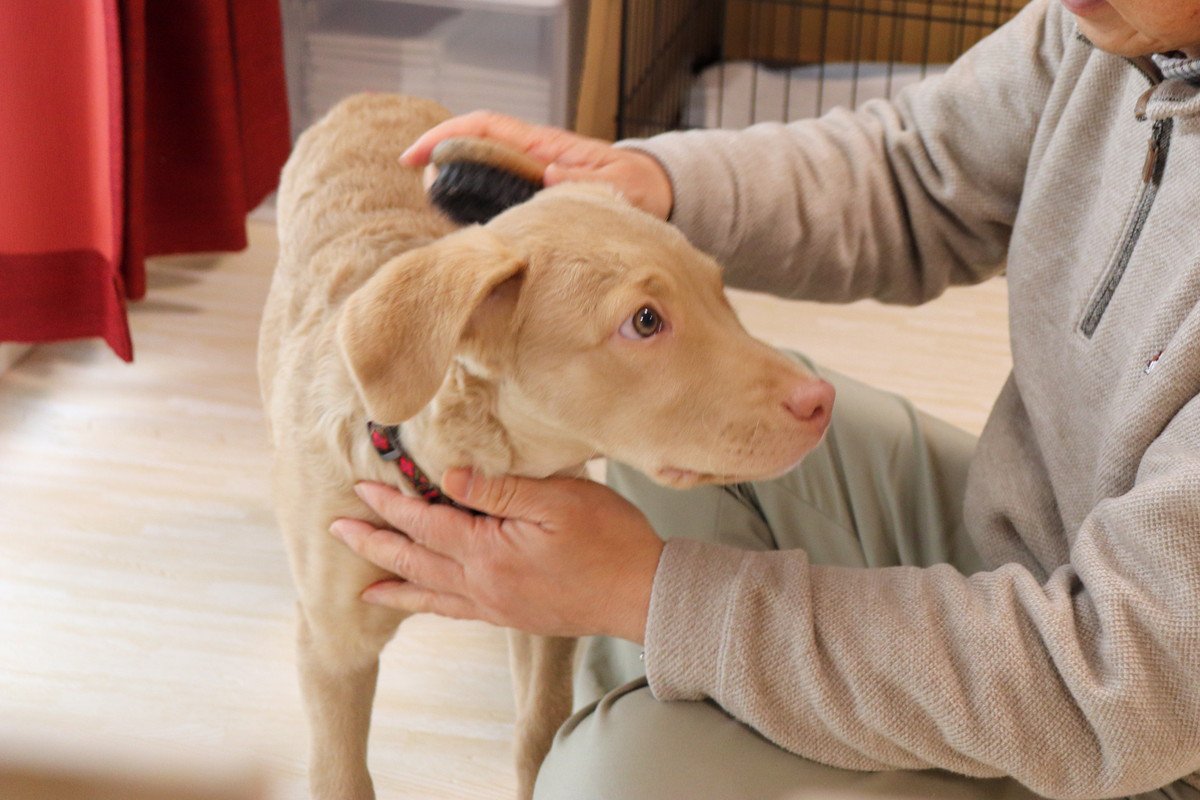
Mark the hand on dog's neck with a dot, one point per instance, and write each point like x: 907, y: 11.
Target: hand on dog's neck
x: 474, y: 422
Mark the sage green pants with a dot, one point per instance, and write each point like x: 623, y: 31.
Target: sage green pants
x: 884, y: 488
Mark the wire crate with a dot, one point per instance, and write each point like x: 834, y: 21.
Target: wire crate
x: 704, y: 64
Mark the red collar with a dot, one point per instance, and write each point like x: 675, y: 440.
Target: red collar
x: 386, y: 441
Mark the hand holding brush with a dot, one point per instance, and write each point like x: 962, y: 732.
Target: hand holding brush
x: 559, y: 154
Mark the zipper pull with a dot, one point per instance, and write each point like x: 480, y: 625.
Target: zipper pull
x: 1151, y: 162
x: 1153, y: 151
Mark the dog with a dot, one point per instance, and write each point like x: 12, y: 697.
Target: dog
x: 569, y: 327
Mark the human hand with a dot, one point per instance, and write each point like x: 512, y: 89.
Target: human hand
x: 556, y: 557
x: 568, y: 156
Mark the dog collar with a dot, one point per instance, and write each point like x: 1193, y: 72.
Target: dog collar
x: 386, y: 441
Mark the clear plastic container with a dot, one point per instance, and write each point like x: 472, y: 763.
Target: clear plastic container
x: 518, y: 57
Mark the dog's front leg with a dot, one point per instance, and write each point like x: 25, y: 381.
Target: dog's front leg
x: 338, y: 686
x: 542, y: 668
x: 338, y: 645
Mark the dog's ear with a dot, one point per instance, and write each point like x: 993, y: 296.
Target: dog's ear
x: 399, y: 330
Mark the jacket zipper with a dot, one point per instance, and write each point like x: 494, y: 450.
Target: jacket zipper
x: 1152, y: 169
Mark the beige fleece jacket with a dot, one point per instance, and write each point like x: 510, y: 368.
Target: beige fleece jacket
x: 1073, y: 664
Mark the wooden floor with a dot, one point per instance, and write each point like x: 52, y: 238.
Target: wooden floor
x: 145, y: 604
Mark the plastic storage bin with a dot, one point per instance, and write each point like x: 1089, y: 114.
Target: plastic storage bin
x: 519, y: 57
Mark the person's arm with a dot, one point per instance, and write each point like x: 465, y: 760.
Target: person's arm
x: 895, y: 201
x: 1081, y: 684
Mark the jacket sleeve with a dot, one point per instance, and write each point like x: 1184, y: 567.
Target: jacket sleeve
x: 1081, y: 684
x: 895, y: 201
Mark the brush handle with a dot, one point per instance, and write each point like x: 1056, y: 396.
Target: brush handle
x: 474, y: 150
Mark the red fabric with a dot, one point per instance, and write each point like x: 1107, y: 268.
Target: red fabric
x: 127, y: 129
x: 133, y: 68
x: 67, y: 294
x: 59, y: 157
x: 216, y: 125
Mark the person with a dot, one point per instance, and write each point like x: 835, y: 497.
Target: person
x: 911, y: 612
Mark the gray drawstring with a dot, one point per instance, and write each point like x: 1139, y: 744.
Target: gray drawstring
x: 1178, y: 67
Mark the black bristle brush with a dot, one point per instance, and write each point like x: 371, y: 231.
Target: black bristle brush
x: 479, y: 178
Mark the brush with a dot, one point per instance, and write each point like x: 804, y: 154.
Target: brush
x: 479, y: 178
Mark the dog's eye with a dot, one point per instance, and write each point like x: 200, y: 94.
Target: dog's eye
x: 643, y: 324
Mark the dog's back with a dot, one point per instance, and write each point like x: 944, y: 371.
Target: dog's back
x: 345, y: 206
x: 345, y: 170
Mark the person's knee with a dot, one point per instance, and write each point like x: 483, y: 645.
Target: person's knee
x: 611, y: 749
x: 631, y: 746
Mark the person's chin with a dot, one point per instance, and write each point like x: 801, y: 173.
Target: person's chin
x: 1120, y: 43
x: 1105, y: 29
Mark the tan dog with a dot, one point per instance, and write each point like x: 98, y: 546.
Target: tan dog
x: 569, y: 327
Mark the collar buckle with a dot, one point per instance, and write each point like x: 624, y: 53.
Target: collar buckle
x: 386, y: 440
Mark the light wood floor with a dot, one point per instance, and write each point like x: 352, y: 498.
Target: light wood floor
x: 144, y: 599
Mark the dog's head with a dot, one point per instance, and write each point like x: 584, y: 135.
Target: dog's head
x: 599, y: 324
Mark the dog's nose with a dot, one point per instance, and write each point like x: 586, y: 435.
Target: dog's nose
x: 811, y: 402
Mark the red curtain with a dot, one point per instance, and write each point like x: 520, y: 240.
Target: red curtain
x: 128, y: 128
